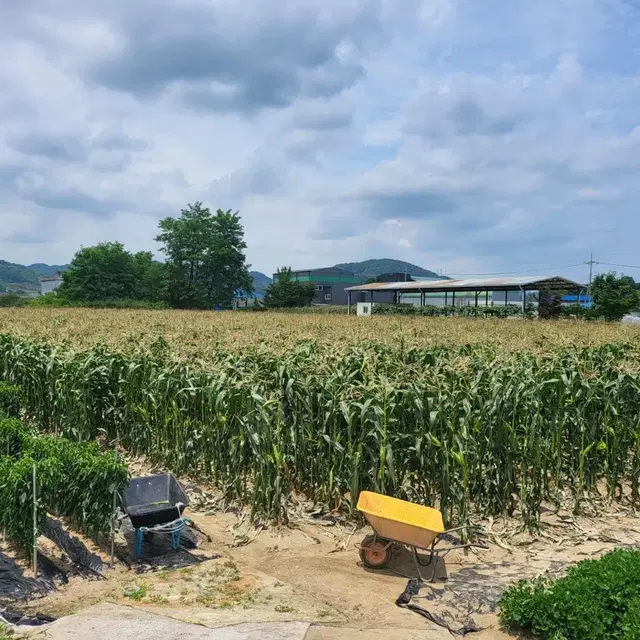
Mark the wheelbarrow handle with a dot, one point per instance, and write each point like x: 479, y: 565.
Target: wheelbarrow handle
x: 449, y: 531
x: 468, y: 526
x: 460, y: 546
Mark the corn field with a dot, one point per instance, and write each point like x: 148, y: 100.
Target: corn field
x: 471, y: 428
x: 196, y: 337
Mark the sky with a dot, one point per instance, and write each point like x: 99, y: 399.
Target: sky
x: 464, y: 136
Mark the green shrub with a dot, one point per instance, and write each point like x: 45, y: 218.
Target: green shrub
x: 56, y: 300
x: 597, y: 599
x: 12, y: 300
x: 582, y: 313
x: 432, y: 311
x: 121, y: 303
x: 323, y: 309
x: 16, y: 498
x: 631, y: 621
x: 317, y: 309
x: 13, y: 435
x: 51, y: 299
x: 9, y: 400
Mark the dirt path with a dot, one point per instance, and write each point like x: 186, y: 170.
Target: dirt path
x: 312, y: 573
x: 356, y: 603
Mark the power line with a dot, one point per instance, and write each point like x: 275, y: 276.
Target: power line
x: 507, y: 273
x: 614, y: 264
x: 589, y: 262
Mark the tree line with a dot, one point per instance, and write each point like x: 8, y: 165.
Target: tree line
x: 205, y: 267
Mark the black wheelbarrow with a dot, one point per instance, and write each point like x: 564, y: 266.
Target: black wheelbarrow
x: 155, y: 504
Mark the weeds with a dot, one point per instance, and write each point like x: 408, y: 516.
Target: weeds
x: 136, y: 592
x: 6, y: 633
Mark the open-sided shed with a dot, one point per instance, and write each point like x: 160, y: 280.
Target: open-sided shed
x: 552, y: 284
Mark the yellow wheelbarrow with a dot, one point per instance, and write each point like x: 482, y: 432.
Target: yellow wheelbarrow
x: 400, y: 522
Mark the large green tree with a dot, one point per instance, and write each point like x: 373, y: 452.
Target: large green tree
x: 285, y: 291
x: 106, y: 271
x: 205, y: 257
x: 109, y: 272
x: 614, y: 296
x: 151, y: 277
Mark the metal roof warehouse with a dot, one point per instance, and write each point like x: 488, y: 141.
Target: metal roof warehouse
x: 522, y: 284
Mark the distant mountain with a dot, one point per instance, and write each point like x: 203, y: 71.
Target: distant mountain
x: 17, y: 277
x: 260, y: 280
x: 47, y: 269
x: 377, y: 267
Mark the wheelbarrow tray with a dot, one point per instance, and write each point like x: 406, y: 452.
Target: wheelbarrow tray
x: 400, y: 521
x: 154, y: 500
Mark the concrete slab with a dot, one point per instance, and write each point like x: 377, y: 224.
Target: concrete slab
x: 109, y: 621
x: 349, y: 633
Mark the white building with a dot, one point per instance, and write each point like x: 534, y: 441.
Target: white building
x: 49, y: 284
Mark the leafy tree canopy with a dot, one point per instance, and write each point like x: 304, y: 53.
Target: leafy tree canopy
x: 108, y: 271
x: 206, y: 264
x: 614, y: 296
x: 104, y: 271
x: 151, y: 278
x: 284, y: 291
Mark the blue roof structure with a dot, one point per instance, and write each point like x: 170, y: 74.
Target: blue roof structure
x: 240, y: 293
x: 583, y: 300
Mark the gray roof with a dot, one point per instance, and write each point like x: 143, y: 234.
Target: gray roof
x: 495, y: 284
x: 326, y: 270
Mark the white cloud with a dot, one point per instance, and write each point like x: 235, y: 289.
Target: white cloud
x: 422, y: 130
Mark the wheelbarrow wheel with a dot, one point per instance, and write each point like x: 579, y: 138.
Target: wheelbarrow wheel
x: 375, y: 552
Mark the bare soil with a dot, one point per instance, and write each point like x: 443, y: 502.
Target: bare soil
x: 311, y: 571
x: 234, y: 571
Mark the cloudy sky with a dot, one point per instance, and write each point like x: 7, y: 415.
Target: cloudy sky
x: 464, y: 135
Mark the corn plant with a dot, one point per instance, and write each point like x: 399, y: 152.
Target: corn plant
x: 9, y: 400
x: 473, y: 428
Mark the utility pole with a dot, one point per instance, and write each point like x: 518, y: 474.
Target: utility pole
x: 590, y: 263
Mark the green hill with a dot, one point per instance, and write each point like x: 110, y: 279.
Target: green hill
x: 377, y: 267
x: 47, y: 269
x: 21, y: 279
x: 260, y: 281
x: 16, y: 277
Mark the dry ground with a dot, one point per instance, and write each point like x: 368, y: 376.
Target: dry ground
x: 311, y: 572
